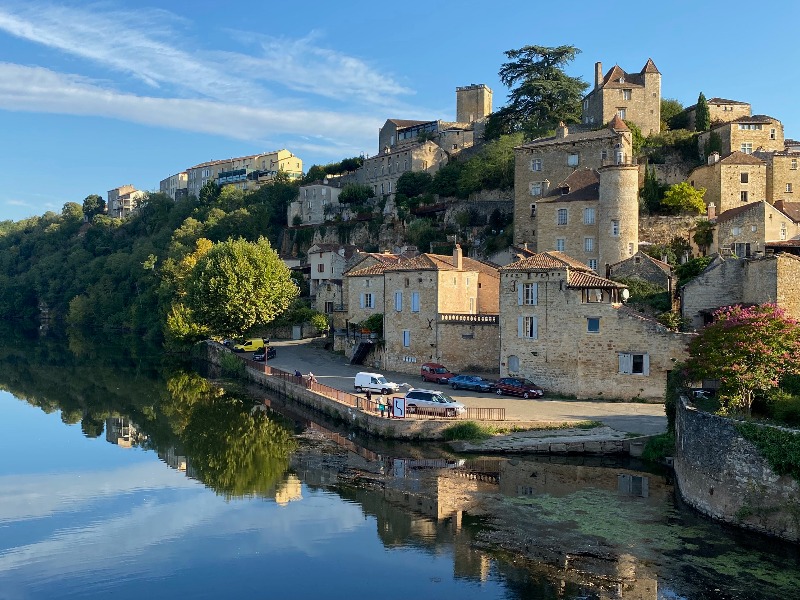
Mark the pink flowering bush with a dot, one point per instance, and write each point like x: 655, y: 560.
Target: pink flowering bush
x: 748, y: 350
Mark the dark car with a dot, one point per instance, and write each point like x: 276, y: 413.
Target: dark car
x: 265, y: 354
x: 436, y: 373
x: 471, y: 382
x: 518, y: 386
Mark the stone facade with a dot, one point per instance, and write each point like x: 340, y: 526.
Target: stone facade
x: 734, y: 483
x: 645, y: 267
x: 732, y: 181
x: 541, y: 166
x: 745, y: 230
x: 746, y: 134
x: 473, y: 103
x: 174, y: 186
x: 773, y: 278
x: 783, y: 175
x: 328, y: 263
x: 720, y: 110
x: 635, y: 97
x: 566, y: 329
x: 124, y: 200
x: 314, y: 204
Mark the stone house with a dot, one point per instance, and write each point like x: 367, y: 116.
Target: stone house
x: 720, y: 110
x: 175, y: 186
x: 547, y: 162
x: 783, y: 176
x: 381, y: 172
x: 745, y: 134
x: 773, y: 278
x: 744, y: 231
x: 635, y: 97
x: 642, y: 266
x: 732, y: 181
x: 327, y: 264
x: 314, y: 205
x: 363, y: 289
x: 567, y: 329
x: 124, y: 200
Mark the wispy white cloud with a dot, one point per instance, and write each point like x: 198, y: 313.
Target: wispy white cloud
x: 14, y: 202
x: 51, y: 92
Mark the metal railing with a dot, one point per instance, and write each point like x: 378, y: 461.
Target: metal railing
x: 469, y: 318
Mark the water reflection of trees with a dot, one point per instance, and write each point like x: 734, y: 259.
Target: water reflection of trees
x: 232, y: 451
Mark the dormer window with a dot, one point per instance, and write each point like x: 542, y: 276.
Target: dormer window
x: 622, y: 79
x: 564, y: 190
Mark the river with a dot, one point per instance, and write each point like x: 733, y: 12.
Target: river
x: 125, y: 477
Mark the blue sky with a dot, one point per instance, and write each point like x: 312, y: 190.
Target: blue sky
x: 97, y: 95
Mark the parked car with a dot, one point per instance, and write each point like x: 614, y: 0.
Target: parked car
x: 265, y: 354
x: 374, y: 382
x: 250, y: 345
x: 432, y: 402
x: 518, y: 386
x: 471, y: 382
x: 435, y: 373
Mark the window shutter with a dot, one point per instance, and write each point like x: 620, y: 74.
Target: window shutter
x: 520, y: 287
x: 535, y: 293
x: 519, y: 326
x: 535, y: 327
x: 646, y: 364
x: 362, y: 300
x: 625, y: 363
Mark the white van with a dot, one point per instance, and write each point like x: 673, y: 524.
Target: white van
x: 374, y: 382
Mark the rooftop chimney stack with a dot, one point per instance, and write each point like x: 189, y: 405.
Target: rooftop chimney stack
x: 457, y: 256
x: 711, y: 211
x: 598, y: 74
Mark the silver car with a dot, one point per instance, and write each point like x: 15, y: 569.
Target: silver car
x: 432, y: 402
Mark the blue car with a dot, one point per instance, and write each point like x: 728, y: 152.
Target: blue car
x: 471, y: 382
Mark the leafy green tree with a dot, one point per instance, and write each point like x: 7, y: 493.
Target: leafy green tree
x: 683, y: 198
x: 414, y: 183
x: 422, y: 233
x: 652, y: 191
x: 714, y: 143
x: 237, y: 285
x: 93, y: 205
x: 355, y: 193
x: 670, y: 109
x: 315, y: 173
x: 637, y: 139
x: 749, y: 351
x: 209, y: 193
x: 691, y: 269
x: 702, y: 116
x: 703, y: 235
x: 541, y: 95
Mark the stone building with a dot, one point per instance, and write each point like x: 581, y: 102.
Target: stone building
x: 541, y: 165
x: 635, y: 97
x: 642, y: 266
x: 568, y: 330
x: 175, y: 186
x: 744, y: 231
x: 773, y: 278
x: 745, y: 134
x: 328, y: 263
x: 124, y: 200
x: 314, y: 205
x: 783, y: 176
x: 363, y: 293
x: 720, y: 110
x: 381, y: 172
x: 732, y: 181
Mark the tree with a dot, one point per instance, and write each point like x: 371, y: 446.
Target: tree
x: 315, y: 173
x: 238, y: 284
x: 414, y: 183
x: 748, y: 350
x: 541, y: 93
x: 703, y: 235
x: 652, y: 191
x: 637, y: 139
x: 670, y: 109
x: 702, y: 116
x: 683, y: 198
x: 93, y: 205
x: 355, y: 193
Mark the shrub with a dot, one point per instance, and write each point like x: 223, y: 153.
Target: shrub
x: 659, y: 447
x: 468, y: 430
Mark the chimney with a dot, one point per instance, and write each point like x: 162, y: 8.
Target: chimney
x: 711, y: 211
x: 525, y: 245
x: 561, y: 130
x: 598, y: 74
x: 457, y: 263
x: 545, y: 187
x: 713, y: 158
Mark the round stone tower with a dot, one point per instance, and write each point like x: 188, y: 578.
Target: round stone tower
x: 618, y: 214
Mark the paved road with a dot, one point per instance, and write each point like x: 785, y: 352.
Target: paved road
x: 334, y: 370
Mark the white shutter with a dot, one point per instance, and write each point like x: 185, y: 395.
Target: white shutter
x: 625, y: 363
x: 519, y: 326
x: 535, y: 327
x: 646, y: 364
x: 519, y: 293
x: 362, y: 300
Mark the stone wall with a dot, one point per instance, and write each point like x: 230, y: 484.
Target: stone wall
x: 724, y: 476
x: 466, y: 346
x: 720, y: 284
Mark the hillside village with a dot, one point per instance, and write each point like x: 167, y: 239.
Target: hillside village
x: 554, y: 304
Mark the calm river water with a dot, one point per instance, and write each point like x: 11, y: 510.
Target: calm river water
x: 124, y: 478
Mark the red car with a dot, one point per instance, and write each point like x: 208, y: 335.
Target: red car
x: 435, y: 373
x: 518, y: 386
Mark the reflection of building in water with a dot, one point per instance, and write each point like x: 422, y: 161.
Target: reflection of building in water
x: 289, y: 490
x: 122, y: 432
x: 173, y: 459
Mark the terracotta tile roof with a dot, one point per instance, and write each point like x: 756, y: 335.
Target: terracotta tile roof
x: 734, y: 212
x: 400, y: 123
x: 762, y: 119
x: 617, y: 124
x: 630, y: 80
x: 579, y: 279
x: 376, y: 269
x: 546, y: 261
x: 725, y: 101
x: 583, y: 184
x: 790, y: 209
x: 666, y: 267
x: 605, y: 132
x: 783, y: 244
x: 349, y: 249
x: 650, y: 67
x: 384, y: 260
x: 740, y: 158
x: 439, y: 262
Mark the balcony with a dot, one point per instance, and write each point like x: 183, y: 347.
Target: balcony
x: 468, y: 319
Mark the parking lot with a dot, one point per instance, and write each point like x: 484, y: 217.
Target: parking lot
x: 335, y: 371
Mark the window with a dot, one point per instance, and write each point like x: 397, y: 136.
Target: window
x: 634, y: 364
x: 789, y: 188
x: 533, y: 210
x: 747, y: 147
x: 744, y: 177
x: 615, y: 227
x: 750, y: 126
x: 528, y: 327
x: 586, y: 104
x: 793, y: 165
x: 593, y: 325
x: 783, y: 231
x: 536, y: 188
x: 560, y: 244
x: 593, y: 264
x: 513, y: 364
x: 367, y: 301
x: 573, y: 159
x: 603, y: 155
x: 536, y: 164
x: 622, y: 113
x: 736, y: 231
x: 772, y: 134
x: 406, y: 338
x: 328, y: 307
x: 398, y: 301
x: 630, y: 248
x: 743, y: 195
x: 321, y: 268
x: 626, y: 94
x: 588, y: 244
x: 588, y: 216
x: 561, y: 216
x: 414, y: 301
x: 528, y: 293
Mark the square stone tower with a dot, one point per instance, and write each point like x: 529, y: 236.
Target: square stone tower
x: 473, y: 103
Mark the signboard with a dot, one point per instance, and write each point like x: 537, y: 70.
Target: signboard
x: 398, y: 407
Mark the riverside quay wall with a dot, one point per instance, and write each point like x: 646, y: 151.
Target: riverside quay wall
x: 723, y: 475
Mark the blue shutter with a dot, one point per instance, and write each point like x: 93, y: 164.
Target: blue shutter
x: 519, y: 292
x: 362, y: 300
x: 519, y: 326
